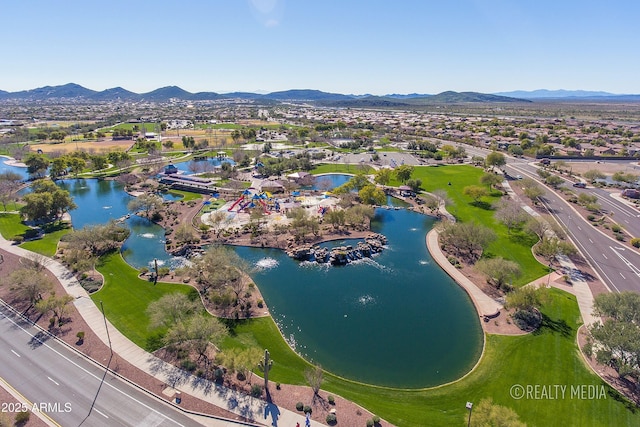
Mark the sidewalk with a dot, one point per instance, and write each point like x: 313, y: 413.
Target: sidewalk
x: 580, y: 286
x: 238, y: 403
x: 485, y: 305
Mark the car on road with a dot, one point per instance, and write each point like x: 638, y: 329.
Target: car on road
x: 580, y: 184
x: 518, y: 176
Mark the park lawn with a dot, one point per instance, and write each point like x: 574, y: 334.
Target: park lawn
x: 126, y: 297
x: 547, y: 357
x: 11, y: 225
x: 515, y: 246
x: 186, y: 195
x: 48, y: 245
x: 341, y: 168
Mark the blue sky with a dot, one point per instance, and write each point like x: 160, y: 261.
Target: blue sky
x: 347, y: 46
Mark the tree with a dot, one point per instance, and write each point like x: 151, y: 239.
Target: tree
x: 488, y: 414
x: 185, y: 234
x: 466, y: 239
x: 146, y: 203
x: 28, y: 284
x: 383, y: 176
x: 56, y: 305
x: 515, y: 150
x: 99, y: 162
x: 372, y: 195
x: 510, y: 214
x: 171, y: 309
x: 314, y: 377
x: 217, y: 268
x: 499, y: 271
x: 37, y: 165
x: 531, y: 189
x: 404, y: 172
x: 539, y: 226
x: 593, y: 174
x: 58, y: 167
x: 76, y: 165
x: 196, y: 333
x: 335, y: 217
x: 415, y: 184
x: 616, y: 340
x: 491, y: 180
x: 47, y: 200
x: 240, y: 360
x: 624, y: 177
x: 475, y: 192
x: 495, y: 159
x: 10, y: 183
x: 554, y: 181
x: 550, y: 247
x: 527, y: 298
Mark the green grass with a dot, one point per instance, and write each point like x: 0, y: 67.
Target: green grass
x: 126, y: 297
x: 341, y: 168
x: 186, y: 195
x: 11, y: 225
x: 49, y: 243
x: 515, y: 246
x: 547, y: 357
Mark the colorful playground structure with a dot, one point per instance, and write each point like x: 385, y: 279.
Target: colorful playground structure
x: 248, y: 200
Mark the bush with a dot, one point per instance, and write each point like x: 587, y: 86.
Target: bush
x: 376, y: 419
x: 331, y: 399
x: 620, y: 237
x: 260, y: 303
x: 80, y: 336
x: 635, y: 242
x: 369, y: 422
x: 307, y: 409
x: 591, y: 217
x: 17, y: 239
x: 144, y: 270
x: 22, y: 417
x: 256, y: 390
x: 299, y: 406
x: 188, y: 365
x: 616, y: 228
x: 331, y: 419
x: 527, y: 320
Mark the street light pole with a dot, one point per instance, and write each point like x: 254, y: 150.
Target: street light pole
x: 469, y: 406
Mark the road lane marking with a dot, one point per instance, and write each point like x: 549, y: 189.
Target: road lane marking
x: 605, y: 257
x: 53, y: 381
x: 579, y: 228
x: 591, y: 240
x: 12, y: 351
x: 101, y: 413
x: 623, y: 276
x: 44, y: 344
x: 629, y: 264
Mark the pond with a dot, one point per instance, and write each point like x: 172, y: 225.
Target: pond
x: 326, y: 182
x: 395, y: 320
x: 102, y: 200
x: 22, y: 171
x: 201, y: 166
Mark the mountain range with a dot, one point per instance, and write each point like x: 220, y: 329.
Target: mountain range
x: 76, y: 92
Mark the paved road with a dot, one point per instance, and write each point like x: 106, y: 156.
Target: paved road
x: 618, y: 267
x: 47, y: 373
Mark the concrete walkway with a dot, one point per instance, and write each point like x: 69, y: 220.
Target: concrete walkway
x: 485, y: 305
x: 235, y: 402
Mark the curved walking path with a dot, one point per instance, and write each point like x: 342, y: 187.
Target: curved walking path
x: 241, y: 404
x: 485, y: 305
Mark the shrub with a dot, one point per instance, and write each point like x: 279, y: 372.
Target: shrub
x: 369, y: 422
x: 17, y: 239
x: 299, y: 406
x: 376, y: 419
x: 591, y: 217
x: 331, y: 419
x: 22, y: 417
x: 331, y: 399
x: 278, y: 386
x: 307, y: 409
x: 80, y: 335
x: 144, y: 270
x: 260, y: 303
x: 526, y: 320
x: 163, y: 271
x: 616, y: 228
x: 635, y: 242
x: 256, y: 390
x: 620, y: 237
x: 188, y: 365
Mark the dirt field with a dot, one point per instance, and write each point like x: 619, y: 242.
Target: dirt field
x: 607, y: 168
x: 91, y: 147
